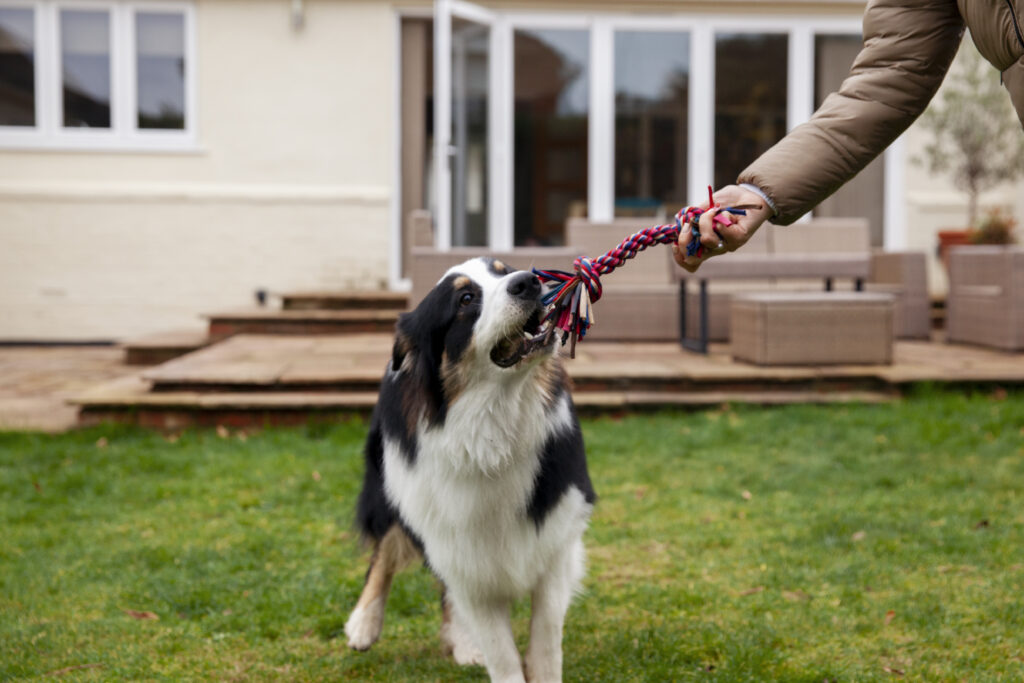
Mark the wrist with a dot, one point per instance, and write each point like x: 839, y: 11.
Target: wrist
x: 760, y: 193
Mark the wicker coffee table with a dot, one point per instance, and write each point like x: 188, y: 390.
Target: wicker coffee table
x: 812, y: 328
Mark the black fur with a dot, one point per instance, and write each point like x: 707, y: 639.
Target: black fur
x: 374, y: 514
x: 442, y: 324
x: 563, y: 463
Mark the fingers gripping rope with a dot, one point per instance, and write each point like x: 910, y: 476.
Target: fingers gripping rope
x: 571, y: 304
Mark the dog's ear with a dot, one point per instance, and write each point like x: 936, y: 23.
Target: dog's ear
x: 401, y: 348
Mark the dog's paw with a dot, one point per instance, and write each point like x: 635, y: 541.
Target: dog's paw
x: 460, y: 646
x: 364, y: 625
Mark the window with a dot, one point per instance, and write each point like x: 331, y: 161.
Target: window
x: 652, y: 84
x: 85, y: 68
x: 160, y: 69
x: 551, y: 118
x: 96, y: 75
x: 750, y: 99
x: 17, y: 67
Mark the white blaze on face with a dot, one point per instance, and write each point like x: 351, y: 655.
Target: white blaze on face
x: 501, y: 314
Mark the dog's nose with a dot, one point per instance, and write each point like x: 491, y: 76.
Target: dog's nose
x: 524, y: 286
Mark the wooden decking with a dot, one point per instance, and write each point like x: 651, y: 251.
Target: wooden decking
x: 286, y: 379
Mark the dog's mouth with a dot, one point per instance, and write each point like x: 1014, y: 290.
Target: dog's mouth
x: 533, y: 338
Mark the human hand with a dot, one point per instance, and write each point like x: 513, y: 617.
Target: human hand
x: 717, y: 238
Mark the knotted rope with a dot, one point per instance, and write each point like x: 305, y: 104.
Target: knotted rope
x: 571, y: 305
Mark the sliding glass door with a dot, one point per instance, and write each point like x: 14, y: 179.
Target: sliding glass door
x: 542, y: 116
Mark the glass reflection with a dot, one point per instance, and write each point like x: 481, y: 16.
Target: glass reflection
x: 160, y: 69
x: 652, y: 82
x: 470, y: 53
x: 85, y: 68
x: 864, y: 195
x: 750, y: 99
x: 551, y: 117
x: 17, y: 67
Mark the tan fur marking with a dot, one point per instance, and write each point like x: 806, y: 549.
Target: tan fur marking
x: 551, y: 376
x: 453, y: 376
x: 462, y: 281
x: 500, y: 267
x: 391, y: 555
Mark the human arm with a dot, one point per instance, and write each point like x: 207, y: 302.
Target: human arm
x: 908, y: 47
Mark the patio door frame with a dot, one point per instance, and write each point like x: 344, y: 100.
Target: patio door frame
x: 702, y: 29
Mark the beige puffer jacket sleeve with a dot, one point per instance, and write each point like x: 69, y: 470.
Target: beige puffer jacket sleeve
x: 908, y: 47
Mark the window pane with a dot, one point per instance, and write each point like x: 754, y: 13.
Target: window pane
x: 864, y: 195
x: 652, y: 82
x: 551, y: 116
x: 750, y: 99
x: 17, y: 67
x: 85, y: 68
x: 470, y: 54
x: 160, y: 69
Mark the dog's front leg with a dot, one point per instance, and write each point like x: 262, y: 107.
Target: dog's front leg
x: 390, y: 555
x: 491, y: 625
x: 550, y: 602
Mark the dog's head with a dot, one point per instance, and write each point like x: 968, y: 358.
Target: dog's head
x: 480, y: 322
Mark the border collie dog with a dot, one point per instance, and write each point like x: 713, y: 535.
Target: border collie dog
x: 475, y: 459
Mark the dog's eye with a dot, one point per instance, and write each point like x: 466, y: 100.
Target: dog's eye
x: 466, y: 299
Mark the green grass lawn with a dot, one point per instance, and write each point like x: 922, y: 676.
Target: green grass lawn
x: 739, y: 544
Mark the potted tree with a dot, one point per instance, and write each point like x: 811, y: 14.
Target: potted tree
x: 976, y: 137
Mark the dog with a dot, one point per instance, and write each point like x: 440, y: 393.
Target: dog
x: 475, y: 460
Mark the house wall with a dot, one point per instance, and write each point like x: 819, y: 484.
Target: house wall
x: 933, y: 203
x: 289, y: 188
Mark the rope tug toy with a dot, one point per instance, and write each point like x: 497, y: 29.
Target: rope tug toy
x: 571, y: 305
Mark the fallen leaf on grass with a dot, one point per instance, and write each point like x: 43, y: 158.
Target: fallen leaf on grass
x: 796, y: 596
x: 316, y: 476
x: 69, y: 669
x: 999, y: 394
x: 889, y: 616
x: 640, y: 492
x: 102, y: 442
x: 136, y: 614
x: 752, y: 591
x: 747, y: 495
x: 37, y: 487
x: 858, y: 536
x: 1018, y: 658
x: 222, y: 432
x: 982, y: 524
x: 891, y: 670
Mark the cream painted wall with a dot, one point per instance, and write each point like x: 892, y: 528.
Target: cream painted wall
x: 933, y: 203
x: 289, y: 188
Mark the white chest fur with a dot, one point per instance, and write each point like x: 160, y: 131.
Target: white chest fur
x: 467, y: 493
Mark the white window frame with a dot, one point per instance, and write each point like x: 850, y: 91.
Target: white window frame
x: 124, y: 133
x: 801, y: 31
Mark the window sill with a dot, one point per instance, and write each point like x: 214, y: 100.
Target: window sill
x: 184, y: 143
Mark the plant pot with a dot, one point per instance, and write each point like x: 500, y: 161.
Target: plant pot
x: 951, y: 238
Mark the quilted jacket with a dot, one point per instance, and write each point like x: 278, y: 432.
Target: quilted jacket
x: 908, y: 47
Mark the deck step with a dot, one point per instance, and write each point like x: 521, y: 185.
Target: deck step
x: 153, y: 349
x: 345, y: 301
x: 355, y: 363
x: 302, y: 322
x: 131, y: 400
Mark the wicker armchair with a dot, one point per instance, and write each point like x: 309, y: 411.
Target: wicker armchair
x: 985, y: 304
